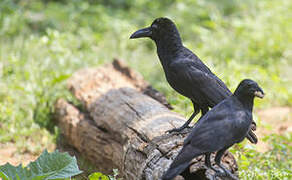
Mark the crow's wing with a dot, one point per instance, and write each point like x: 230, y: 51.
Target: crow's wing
x: 205, y: 87
x: 196, y: 62
x: 218, y: 128
x: 213, y: 132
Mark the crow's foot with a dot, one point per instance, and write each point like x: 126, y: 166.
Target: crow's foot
x: 178, y: 129
x: 226, y: 174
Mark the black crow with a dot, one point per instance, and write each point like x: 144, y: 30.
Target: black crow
x: 224, y: 125
x: 184, y: 71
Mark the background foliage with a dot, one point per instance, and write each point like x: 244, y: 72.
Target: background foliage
x: 43, y: 42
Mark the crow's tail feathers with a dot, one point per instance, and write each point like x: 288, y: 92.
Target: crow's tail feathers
x: 181, y: 162
x: 172, y: 172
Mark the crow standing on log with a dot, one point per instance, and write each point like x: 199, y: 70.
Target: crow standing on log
x: 184, y: 71
x: 221, y: 127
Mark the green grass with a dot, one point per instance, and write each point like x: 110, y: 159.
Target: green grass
x: 42, y: 44
x: 274, y: 164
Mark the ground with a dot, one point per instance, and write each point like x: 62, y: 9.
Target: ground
x: 12, y: 154
x: 276, y: 120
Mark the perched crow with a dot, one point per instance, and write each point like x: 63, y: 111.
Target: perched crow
x: 221, y: 127
x: 184, y: 71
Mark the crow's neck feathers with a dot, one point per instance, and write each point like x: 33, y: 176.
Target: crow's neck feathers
x: 246, y: 101
x: 169, y: 41
x: 168, y: 44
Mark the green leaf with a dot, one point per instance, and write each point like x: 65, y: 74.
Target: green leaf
x: 98, y: 176
x: 48, y: 166
x: 56, y: 165
x: 12, y: 172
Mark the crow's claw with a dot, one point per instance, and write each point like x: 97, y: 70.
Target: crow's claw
x: 177, y: 129
x: 226, y: 174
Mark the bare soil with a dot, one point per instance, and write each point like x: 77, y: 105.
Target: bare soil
x: 10, y: 153
x: 276, y: 120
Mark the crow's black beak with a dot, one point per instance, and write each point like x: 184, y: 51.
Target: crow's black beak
x: 146, y: 32
x: 259, y: 93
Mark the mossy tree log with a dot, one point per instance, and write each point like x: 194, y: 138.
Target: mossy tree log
x: 121, y: 124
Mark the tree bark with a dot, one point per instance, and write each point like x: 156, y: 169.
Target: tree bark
x: 121, y: 124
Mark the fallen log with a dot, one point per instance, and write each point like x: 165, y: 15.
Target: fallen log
x: 121, y: 124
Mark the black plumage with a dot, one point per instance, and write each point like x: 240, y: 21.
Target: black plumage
x: 221, y: 127
x: 184, y: 71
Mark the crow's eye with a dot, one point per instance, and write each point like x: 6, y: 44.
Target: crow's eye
x: 154, y: 26
x: 250, y: 84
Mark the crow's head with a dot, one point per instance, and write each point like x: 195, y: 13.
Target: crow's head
x: 160, y: 28
x: 249, y: 89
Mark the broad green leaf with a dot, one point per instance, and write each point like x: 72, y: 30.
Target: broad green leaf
x: 48, y: 166
x: 14, y: 173
x: 56, y: 165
